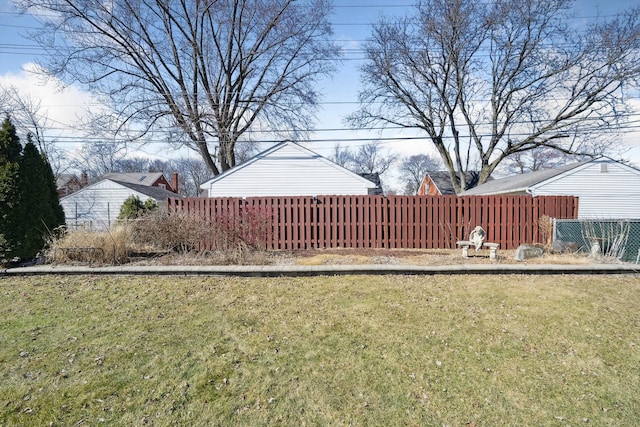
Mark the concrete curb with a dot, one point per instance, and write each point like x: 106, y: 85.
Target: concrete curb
x: 323, y: 270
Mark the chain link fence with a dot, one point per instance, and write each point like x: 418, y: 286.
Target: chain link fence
x: 619, y: 239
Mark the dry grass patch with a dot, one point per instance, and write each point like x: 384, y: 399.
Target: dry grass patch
x: 332, y: 259
x: 351, y: 350
x: 238, y: 256
x: 110, y: 246
x: 427, y: 257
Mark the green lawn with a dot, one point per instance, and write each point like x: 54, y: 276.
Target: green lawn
x: 350, y: 350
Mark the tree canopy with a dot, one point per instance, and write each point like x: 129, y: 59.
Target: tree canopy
x: 29, y: 207
x: 38, y: 212
x: 10, y: 149
x: 199, y: 72
x: 486, y: 80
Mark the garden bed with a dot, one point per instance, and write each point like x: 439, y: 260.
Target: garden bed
x: 344, y: 256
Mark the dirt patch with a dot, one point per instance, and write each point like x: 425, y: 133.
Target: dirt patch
x: 422, y: 257
x: 361, y: 257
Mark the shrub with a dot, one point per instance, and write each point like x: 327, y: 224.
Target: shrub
x: 29, y: 205
x: 234, y: 234
x: 133, y: 208
x: 235, y: 238
x: 110, y: 247
x: 244, y: 231
x: 607, y: 238
x: 170, y: 231
x: 545, y: 226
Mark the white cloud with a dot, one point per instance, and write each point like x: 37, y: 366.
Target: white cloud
x: 63, y: 105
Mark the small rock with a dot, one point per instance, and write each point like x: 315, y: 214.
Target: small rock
x: 23, y: 353
x: 560, y: 246
x: 528, y: 251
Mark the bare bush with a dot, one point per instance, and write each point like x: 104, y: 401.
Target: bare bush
x: 545, y: 226
x: 452, y: 233
x: 233, y: 237
x: 245, y: 230
x: 106, y: 247
x: 607, y: 238
x: 235, y: 233
x: 170, y: 231
x: 237, y: 237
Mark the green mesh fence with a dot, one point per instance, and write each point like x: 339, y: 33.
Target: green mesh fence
x: 615, y: 238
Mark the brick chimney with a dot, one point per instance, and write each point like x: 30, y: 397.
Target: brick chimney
x: 84, y: 179
x: 174, y: 182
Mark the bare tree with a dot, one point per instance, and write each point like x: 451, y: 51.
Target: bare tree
x: 413, y: 169
x: 29, y: 118
x: 373, y: 158
x: 536, y: 159
x: 488, y: 80
x: 244, y: 151
x: 99, y: 158
x: 342, y: 156
x: 213, y: 69
x: 192, y: 173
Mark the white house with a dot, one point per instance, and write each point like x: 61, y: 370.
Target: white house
x: 287, y: 169
x: 607, y: 189
x: 97, y: 206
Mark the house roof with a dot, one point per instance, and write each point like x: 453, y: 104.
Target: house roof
x: 140, y: 178
x: 64, y: 179
x: 156, y: 193
x: 375, y: 178
x: 277, y: 147
x: 442, y: 180
x: 522, y: 182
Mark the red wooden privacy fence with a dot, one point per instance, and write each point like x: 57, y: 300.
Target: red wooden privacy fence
x: 382, y: 222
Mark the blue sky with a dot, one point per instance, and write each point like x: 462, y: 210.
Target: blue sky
x: 351, y: 18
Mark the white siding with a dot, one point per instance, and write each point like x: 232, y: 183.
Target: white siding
x: 288, y: 171
x: 97, y: 206
x: 614, y: 193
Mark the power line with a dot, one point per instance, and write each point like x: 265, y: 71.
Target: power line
x: 625, y: 125
x: 342, y: 6
x: 355, y: 102
x: 388, y: 139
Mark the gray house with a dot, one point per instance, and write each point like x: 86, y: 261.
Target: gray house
x: 607, y: 189
x: 97, y: 206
